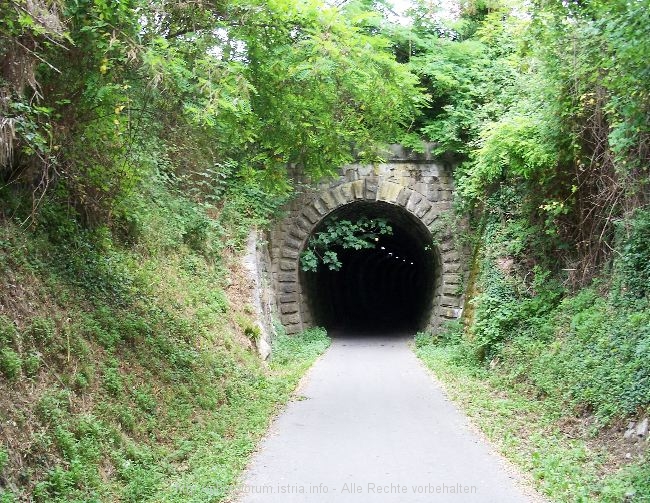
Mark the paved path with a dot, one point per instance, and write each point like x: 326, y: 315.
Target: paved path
x: 372, y: 425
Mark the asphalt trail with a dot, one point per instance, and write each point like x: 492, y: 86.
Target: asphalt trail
x: 370, y: 424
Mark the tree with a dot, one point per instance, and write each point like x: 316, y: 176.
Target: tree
x: 132, y: 89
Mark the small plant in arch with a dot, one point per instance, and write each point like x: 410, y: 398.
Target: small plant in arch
x: 342, y: 234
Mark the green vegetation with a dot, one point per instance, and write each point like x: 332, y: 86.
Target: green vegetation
x: 563, y: 452
x: 546, y: 105
x: 341, y: 235
x: 138, y: 385
x: 552, y: 376
x: 303, y: 347
x: 588, y: 348
x: 103, y: 97
x: 141, y: 141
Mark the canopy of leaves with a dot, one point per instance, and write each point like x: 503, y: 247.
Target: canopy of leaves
x: 549, y: 98
x: 119, y: 91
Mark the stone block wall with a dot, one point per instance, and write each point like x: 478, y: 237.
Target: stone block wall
x: 420, y: 184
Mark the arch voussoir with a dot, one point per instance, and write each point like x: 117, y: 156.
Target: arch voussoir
x: 389, y: 192
x: 311, y: 214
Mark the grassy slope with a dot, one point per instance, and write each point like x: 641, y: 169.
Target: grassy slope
x: 554, y: 376
x: 123, y: 376
x: 545, y: 436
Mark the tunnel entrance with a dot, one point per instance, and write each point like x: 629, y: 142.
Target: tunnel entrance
x: 389, y: 288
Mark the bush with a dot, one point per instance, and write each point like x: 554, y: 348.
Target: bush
x: 510, y: 303
x: 53, y: 406
x: 287, y: 348
x: 8, y: 332
x: 590, y: 355
x: 600, y: 359
x: 42, y: 332
x: 31, y: 364
x: 496, y: 314
x: 423, y: 339
x: 10, y: 364
x: 633, y: 266
x: 112, y: 380
x: 588, y: 351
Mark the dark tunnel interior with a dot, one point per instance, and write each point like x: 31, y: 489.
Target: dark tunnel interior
x: 389, y: 288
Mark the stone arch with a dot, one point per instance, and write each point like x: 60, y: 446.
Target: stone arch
x: 366, y: 186
x: 391, y: 287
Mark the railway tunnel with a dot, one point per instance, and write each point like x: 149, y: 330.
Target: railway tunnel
x: 387, y: 288
x: 407, y: 282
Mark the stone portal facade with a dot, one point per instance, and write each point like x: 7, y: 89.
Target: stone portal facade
x: 418, y: 183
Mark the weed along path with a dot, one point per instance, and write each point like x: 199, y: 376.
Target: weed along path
x: 370, y: 424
